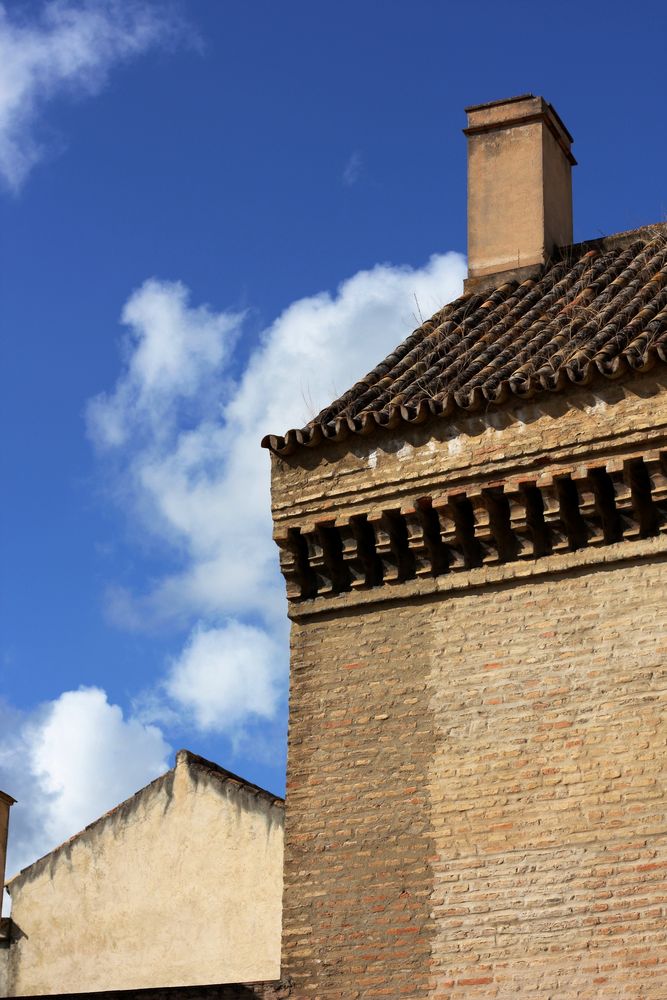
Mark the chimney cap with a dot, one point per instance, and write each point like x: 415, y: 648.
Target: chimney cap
x: 522, y: 110
x: 503, y: 100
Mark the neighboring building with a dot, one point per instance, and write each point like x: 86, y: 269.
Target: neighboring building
x: 475, y: 541
x: 179, y: 885
x: 6, y: 802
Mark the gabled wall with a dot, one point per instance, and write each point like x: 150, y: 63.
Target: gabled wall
x: 180, y: 885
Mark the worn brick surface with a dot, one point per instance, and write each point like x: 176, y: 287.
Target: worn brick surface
x: 547, y: 787
x: 476, y: 782
x: 360, y: 850
x: 476, y: 794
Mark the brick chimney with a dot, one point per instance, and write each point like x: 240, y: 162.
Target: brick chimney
x: 6, y: 802
x: 519, y: 187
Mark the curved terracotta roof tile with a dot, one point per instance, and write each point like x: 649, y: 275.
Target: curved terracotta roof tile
x: 601, y: 309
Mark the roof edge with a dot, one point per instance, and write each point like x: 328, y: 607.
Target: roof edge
x: 265, y: 988
x: 614, y: 240
x: 490, y: 282
x: 131, y: 800
x: 184, y: 758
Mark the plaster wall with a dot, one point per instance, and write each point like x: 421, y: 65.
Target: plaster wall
x: 4, y: 968
x: 505, y: 186
x: 181, y: 885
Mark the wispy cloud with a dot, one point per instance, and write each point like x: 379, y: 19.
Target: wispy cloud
x: 352, y: 169
x: 182, y: 438
x: 69, y: 48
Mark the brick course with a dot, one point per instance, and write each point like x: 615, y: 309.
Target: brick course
x: 553, y: 433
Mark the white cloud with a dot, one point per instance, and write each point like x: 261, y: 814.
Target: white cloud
x: 69, y: 48
x: 87, y: 757
x: 68, y: 762
x: 186, y: 438
x: 174, y: 353
x: 224, y: 675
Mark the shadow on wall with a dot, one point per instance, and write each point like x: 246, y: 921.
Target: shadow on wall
x: 225, y: 991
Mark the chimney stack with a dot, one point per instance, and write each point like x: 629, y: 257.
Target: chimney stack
x: 6, y: 802
x: 519, y: 186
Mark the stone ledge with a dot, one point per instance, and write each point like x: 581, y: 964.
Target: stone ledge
x: 485, y: 576
x: 455, y: 532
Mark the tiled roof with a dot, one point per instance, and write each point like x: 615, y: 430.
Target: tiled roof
x: 599, y: 309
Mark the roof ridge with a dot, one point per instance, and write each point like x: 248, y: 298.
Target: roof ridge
x: 211, y: 767
x: 626, y: 236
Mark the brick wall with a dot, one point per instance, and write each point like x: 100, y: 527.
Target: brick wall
x: 476, y: 780
x: 359, y: 840
x: 476, y: 801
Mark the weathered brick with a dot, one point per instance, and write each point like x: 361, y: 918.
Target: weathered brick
x: 476, y: 799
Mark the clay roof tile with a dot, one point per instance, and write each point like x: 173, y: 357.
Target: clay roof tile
x: 600, y: 308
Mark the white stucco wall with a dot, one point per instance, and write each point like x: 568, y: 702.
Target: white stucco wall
x: 180, y: 885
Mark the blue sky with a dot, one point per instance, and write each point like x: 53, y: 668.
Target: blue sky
x: 213, y: 217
